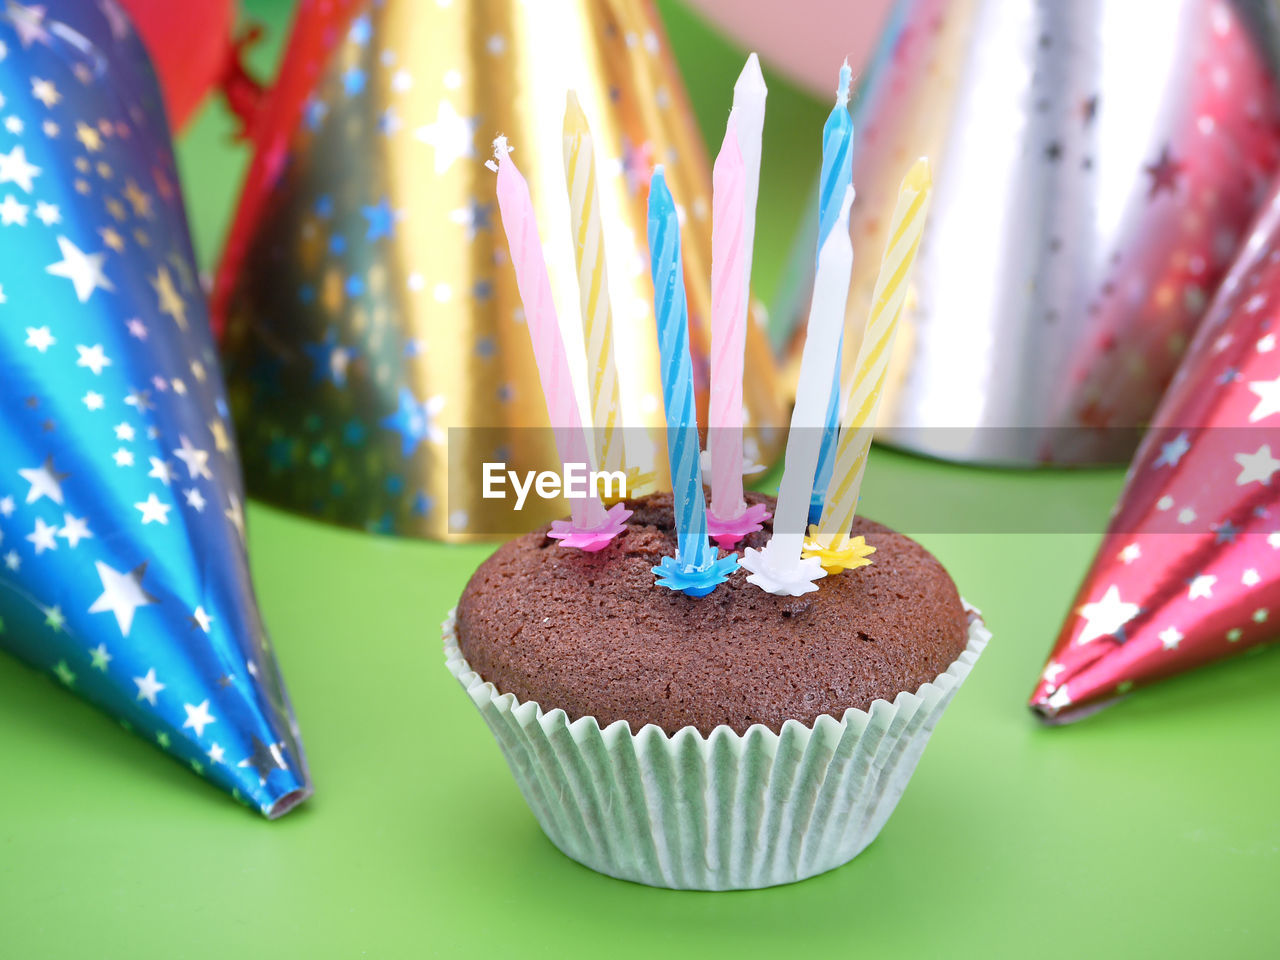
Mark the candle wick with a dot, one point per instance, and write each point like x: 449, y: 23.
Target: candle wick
x: 501, y: 149
x: 846, y: 78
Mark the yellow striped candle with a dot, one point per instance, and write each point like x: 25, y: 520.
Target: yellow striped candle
x: 593, y: 285
x: 866, y: 382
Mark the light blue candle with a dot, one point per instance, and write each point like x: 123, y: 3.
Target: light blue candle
x: 695, y: 569
x: 837, y: 174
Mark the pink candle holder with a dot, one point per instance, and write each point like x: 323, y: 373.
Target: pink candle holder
x: 727, y: 531
x: 593, y: 538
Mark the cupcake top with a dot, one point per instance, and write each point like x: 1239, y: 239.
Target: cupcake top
x: 591, y: 634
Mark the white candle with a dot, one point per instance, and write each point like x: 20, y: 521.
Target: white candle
x: 779, y: 567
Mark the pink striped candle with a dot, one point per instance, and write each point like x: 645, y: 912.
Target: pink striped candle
x: 591, y: 527
x: 729, y: 519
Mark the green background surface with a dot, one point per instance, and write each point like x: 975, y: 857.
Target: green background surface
x: 1152, y: 828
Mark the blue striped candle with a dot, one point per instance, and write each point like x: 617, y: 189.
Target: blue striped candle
x: 695, y: 569
x: 837, y: 174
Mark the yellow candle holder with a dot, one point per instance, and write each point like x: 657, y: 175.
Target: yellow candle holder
x: 844, y: 553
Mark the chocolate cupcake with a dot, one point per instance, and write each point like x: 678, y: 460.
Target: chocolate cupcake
x: 736, y: 740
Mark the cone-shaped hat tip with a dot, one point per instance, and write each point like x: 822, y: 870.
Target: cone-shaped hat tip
x: 288, y: 802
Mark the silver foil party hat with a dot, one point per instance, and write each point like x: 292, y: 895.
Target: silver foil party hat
x: 1096, y: 164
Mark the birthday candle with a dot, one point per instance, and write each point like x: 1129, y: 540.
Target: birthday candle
x: 747, y: 120
x: 779, y: 567
x: 867, y: 380
x: 593, y: 284
x: 728, y: 329
x: 591, y: 526
x: 695, y: 569
x: 837, y: 161
x: 735, y: 185
x: 837, y: 174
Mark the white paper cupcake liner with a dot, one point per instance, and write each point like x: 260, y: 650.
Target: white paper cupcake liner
x: 724, y: 812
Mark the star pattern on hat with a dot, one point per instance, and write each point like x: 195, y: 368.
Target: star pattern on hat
x: 1190, y: 204
x: 1191, y: 566
x: 393, y: 313
x: 1106, y: 616
x: 108, y: 402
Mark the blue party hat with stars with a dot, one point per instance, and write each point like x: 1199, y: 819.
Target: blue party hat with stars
x: 123, y: 572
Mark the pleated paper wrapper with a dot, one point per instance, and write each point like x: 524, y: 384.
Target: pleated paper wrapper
x: 725, y: 812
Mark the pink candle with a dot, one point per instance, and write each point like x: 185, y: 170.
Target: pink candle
x: 591, y: 526
x: 728, y: 327
x: 729, y: 519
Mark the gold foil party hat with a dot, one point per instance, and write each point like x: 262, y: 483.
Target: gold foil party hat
x: 374, y: 335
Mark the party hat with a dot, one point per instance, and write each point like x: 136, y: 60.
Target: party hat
x: 190, y: 46
x: 1189, y: 571
x: 123, y: 571
x: 1095, y: 167
x: 374, y: 330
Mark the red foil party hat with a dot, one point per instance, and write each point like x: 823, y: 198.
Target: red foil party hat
x: 1189, y: 571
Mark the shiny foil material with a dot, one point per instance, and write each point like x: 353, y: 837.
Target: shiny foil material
x: 123, y: 574
x: 374, y: 331
x: 1096, y: 164
x: 1189, y: 571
